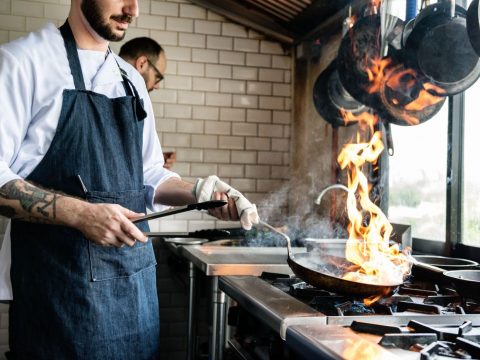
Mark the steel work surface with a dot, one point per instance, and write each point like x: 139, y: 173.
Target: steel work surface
x: 225, y: 260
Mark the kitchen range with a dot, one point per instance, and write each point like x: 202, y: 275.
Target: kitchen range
x: 421, y: 321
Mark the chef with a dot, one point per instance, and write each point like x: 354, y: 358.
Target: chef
x: 79, y: 160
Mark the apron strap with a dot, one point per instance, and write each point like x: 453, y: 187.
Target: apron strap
x: 72, y: 55
x: 129, y: 87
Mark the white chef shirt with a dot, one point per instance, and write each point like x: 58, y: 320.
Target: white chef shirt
x: 34, y: 71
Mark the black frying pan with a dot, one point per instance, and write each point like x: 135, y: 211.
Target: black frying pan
x: 473, y: 25
x: 310, y: 267
x: 329, y: 96
x: 357, y: 49
x: 439, y: 47
x: 313, y: 270
x: 446, y: 263
x: 467, y: 282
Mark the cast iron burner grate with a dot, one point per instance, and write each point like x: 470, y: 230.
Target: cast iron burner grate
x: 414, y: 296
x: 458, y: 342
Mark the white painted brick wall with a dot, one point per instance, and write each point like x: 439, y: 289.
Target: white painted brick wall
x: 224, y: 105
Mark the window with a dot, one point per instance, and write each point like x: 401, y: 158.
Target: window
x: 417, y: 180
x: 471, y: 168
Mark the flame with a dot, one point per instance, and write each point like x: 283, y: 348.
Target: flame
x: 376, y: 73
x: 369, y: 230
x: 361, y: 349
x: 364, y: 120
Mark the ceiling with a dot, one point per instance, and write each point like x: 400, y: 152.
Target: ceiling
x: 288, y: 21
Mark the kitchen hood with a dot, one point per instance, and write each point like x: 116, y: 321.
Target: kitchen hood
x: 287, y: 21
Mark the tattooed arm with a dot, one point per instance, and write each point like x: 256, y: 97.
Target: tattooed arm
x: 22, y: 200
x: 104, y: 224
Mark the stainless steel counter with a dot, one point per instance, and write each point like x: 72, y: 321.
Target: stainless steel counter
x: 225, y: 260
x: 276, y: 308
x: 316, y: 341
x: 217, y: 261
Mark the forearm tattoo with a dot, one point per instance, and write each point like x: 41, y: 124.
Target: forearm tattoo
x: 38, y: 204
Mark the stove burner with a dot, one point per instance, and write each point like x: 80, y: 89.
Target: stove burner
x: 407, y: 341
x: 376, y: 329
x: 414, y: 296
x: 429, y: 340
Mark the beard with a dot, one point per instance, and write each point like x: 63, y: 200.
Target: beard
x: 93, y: 13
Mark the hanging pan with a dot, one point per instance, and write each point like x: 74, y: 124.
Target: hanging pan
x: 359, y: 47
x: 473, y: 25
x: 330, y: 98
x: 439, y: 47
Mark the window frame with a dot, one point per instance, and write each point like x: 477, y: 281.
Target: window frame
x: 452, y: 246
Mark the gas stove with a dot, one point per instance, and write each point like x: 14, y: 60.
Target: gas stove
x: 422, y: 320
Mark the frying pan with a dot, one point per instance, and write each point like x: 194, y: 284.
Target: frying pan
x: 446, y: 263
x: 329, y: 96
x: 439, y: 47
x: 309, y: 267
x: 473, y: 25
x: 358, y: 47
x: 466, y: 282
x: 360, y: 44
x: 399, y: 91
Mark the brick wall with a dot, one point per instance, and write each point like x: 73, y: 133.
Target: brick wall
x: 224, y: 106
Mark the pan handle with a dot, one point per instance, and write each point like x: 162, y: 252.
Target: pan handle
x: 285, y: 236
x: 431, y: 268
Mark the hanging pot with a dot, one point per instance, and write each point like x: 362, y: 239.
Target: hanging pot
x: 330, y: 97
x: 355, y: 58
x: 408, y: 97
x: 358, y: 48
x: 473, y: 25
x: 439, y: 48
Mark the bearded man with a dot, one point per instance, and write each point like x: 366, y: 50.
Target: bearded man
x: 79, y: 162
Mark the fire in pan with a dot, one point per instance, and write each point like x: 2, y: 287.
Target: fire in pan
x: 326, y: 272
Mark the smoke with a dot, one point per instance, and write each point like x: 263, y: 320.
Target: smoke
x: 306, y: 221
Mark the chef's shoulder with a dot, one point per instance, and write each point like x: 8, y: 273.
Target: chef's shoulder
x: 35, y: 49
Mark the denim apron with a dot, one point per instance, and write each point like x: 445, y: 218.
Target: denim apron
x: 74, y: 299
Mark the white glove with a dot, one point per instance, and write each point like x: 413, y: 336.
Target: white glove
x: 204, y: 189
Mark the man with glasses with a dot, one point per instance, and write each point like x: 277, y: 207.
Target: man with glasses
x: 148, y: 57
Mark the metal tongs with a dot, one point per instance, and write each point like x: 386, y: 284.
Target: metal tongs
x: 206, y: 205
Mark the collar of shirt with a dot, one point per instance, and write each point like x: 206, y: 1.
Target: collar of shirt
x: 99, y: 71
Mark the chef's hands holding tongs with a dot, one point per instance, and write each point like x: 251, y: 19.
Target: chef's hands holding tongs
x: 238, y: 207
x: 110, y: 225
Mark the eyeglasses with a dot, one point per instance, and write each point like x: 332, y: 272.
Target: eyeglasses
x: 158, y: 75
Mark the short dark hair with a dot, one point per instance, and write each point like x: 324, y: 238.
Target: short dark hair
x: 136, y: 47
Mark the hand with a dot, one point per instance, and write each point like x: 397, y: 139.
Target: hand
x: 110, y: 225
x: 169, y: 157
x: 212, y: 188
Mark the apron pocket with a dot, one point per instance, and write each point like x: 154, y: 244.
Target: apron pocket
x: 110, y: 262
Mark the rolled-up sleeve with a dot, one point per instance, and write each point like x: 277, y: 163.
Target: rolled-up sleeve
x: 15, y: 111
